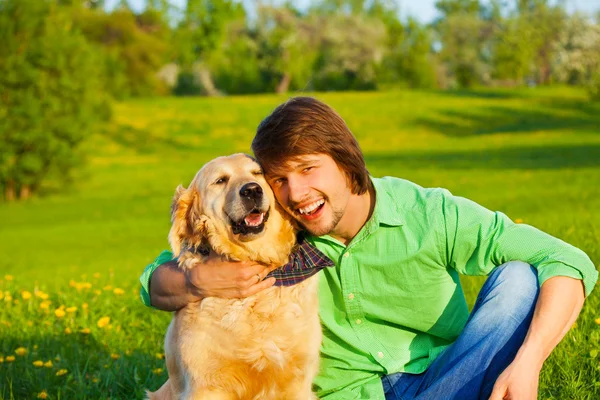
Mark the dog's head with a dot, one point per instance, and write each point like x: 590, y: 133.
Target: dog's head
x: 230, y: 207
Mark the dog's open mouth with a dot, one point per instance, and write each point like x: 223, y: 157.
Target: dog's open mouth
x: 252, y: 223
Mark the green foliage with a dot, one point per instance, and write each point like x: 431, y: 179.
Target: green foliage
x: 351, y: 50
x: 134, y: 47
x: 51, y: 95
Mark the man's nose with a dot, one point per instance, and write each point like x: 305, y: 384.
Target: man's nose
x: 251, y: 191
x: 297, y: 190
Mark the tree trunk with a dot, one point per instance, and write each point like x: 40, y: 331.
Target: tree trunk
x: 206, y: 81
x: 284, y: 84
x: 25, y: 192
x: 9, y: 190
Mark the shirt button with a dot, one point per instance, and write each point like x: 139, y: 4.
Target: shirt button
x: 351, y: 296
x: 358, y: 322
x: 380, y: 354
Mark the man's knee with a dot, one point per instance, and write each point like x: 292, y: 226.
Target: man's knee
x: 514, y: 289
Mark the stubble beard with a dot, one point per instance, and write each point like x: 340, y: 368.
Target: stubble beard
x: 327, y: 229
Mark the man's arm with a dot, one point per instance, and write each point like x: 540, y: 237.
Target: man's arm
x: 558, y: 305
x: 477, y: 240
x: 170, y: 288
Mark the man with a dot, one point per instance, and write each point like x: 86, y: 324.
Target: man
x: 395, y: 321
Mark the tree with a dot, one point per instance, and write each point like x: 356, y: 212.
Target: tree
x: 51, y: 95
x: 577, y: 57
x: 461, y: 32
x: 200, y: 35
x: 134, y: 47
x: 351, y: 51
x: 287, y: 47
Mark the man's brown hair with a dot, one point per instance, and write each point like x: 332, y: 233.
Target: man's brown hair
x: 304, y: 125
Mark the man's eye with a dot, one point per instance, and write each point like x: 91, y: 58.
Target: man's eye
x: 221, y: 180
x: 307, y: 169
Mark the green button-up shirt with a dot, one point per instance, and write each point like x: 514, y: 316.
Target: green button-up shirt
x: 394, y: 301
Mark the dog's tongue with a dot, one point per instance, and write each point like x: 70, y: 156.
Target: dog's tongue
x: 254, y: 219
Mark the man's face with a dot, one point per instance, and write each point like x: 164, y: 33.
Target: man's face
x: 313, y: 190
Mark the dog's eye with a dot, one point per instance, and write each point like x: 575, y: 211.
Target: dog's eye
x: 221, y: 180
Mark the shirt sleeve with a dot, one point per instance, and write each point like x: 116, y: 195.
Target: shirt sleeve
x: 163, y: 257
x: 478, y: 240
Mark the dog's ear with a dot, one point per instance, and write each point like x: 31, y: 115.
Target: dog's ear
x: 185, y: 213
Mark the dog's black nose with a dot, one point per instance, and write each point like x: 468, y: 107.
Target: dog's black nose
x: 251, y: 191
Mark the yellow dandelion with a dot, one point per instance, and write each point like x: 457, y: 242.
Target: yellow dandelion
x: 1, y: 295
x: 1, y: 360
x: 61, y: 372
x: 35, y: 346
x: 48, y: 364
x: 8, y: 277
x: 42, y: 395
x: 597, y: 321
x: 72, y: 283
x: 95, y: 380
x: 96, y: 275
x: 41, y: 295
x: 59, y: 312
x: 160, y: 356
x: 118, y: 291
x: 157, y: 371
x: 29, y: 323
x: 10, y: 358
x: 68, y: 331
x: 102, y: 322
x: 518, y: 221
x: 25, y: 295
x: 97, y: 292
x: 115, y: 356
x: 85, y: 331
x: 38, y: 363
x: 107, y: 287
x: 8, y: 298
x: 84, y: 306
x: 45, y: 304
x: 86, y: 285
x: 21, y: 351
x: 71, y: 310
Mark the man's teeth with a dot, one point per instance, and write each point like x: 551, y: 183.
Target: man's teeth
x: 311, y: 207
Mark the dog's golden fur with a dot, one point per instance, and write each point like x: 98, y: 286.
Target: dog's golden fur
x: 265, y: 346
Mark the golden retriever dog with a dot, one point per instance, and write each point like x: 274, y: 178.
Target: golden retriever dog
x: 265, y: 346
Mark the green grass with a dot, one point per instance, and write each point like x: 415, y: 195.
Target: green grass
x: 533, y: 154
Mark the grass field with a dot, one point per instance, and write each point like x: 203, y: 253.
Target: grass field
x: 71, y: 323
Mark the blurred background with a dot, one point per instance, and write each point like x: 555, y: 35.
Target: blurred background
x: 107, y: 106
x: 62, y: 62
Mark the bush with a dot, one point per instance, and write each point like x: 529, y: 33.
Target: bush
x: 51, y: 96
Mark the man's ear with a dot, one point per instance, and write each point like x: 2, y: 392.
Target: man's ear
x: 183, y: 214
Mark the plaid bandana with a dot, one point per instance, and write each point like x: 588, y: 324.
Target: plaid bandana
x: 305, y: 261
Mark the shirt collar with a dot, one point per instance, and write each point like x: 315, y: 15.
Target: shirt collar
x: 386, y: 211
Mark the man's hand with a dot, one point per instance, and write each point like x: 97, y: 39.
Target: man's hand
x: 172, y: 289
x: 229, y: 279
x: 519, y: 381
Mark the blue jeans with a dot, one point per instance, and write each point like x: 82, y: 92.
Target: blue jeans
x: 496, y: 328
